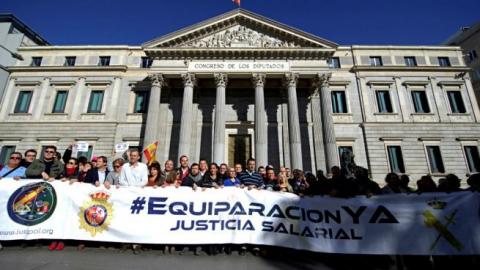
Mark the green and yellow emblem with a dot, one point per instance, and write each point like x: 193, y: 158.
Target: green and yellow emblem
x: 432, y: 221
x: 95, y: 215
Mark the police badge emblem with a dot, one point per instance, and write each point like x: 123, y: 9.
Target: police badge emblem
x: 95, y: 215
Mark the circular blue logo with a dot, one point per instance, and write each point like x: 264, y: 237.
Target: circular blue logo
x: 32, y: 204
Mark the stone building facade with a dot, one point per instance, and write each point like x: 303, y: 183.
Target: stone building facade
x: 240, y: 85
x: 468, y: 38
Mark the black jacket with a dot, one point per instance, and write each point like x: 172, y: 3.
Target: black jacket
x: 92, y: 176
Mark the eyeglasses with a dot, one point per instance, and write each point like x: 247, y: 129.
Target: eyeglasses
x: 117, y: 166
x: 17, y: 158
x: 49, y: 152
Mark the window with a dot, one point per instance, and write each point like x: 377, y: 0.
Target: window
x: 456, y: 102
x: 104, y: 61
x: 60, y: 101
x: 146, y: 62
x: 435, y: 159
x: 339, y: 102
x: 345, y: 154
x: 472, y: 55
x: 376, y: 61
x: 420, y: 102
x: 36, y: 61
x: 395, y: 159
x: 444, y: 61
x: 473, y: 158
x: 70, y: 61
x: 410, y: 61
x: 5, y: 153
x: 141, y: 102
x: 87, y: 154
x: 95, y: 103
x: 23, y: 102
x: 383, y: 101
x: 334, y: 62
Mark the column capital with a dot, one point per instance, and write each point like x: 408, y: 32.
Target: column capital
x: 259, y: 79
x: 221, y: 79
x: 157, y: 79
x: 321, y: 80
x: 189, y: 79
x: 291, y: 79
x: 432, y: 78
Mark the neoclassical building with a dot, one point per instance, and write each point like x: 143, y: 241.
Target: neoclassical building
x: 240, y: 85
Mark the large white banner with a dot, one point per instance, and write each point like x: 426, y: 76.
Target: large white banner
x: 392, y: 224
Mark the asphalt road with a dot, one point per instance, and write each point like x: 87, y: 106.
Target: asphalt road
x: 13, y: 256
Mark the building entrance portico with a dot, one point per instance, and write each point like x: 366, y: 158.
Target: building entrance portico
x: 241, y: 69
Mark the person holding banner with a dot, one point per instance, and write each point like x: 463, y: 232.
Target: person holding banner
x: 250, y: 178
x: 30, y: 156
x: 97, y: 175
x: 71, y: 170
x: 13, y: 169
x: 167, y: 167
x: 194, y: 177
x: 212, y: 178
x: 232, y: 180
x: 113, y: 177
x: 184, y: 167
x: 155, y: 175
x: 47, y: 168
x: 134, y: 173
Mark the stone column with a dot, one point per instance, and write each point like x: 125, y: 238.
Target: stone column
x: 219, y: 134
x: 317, y: 126
x: 327, y: 121
x: 261, y: 136
x: 151, y: 129
x: 186, y: 120
x: 38, y: 110
x: 294, y: 121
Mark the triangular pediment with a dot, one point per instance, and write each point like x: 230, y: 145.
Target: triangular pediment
x: 239, y: 29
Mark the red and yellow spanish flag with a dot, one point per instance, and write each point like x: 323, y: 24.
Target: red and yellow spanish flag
x: 150, y: 151
x: 236, y: 2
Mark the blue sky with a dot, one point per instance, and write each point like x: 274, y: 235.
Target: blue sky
x: 400, y: 22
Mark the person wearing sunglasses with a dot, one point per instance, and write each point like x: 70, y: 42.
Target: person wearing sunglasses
x: 13, y: 168
x: 29, y: 157
x: 47, y: 168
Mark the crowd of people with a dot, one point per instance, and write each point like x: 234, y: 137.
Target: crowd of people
x: 130, y: 171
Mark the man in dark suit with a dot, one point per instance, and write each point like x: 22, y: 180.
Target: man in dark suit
x: 96, y: 176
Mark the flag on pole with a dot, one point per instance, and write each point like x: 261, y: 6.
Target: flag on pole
x: 150, y: 152
x: 236, y: 2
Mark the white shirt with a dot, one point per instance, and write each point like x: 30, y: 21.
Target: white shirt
x: 101, y: 176
x: 134, y: 175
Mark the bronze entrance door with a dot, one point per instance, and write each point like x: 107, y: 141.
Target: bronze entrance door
x: 239, y: 149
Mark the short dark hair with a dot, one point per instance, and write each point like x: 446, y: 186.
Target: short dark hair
x: 104, y: 158
x: 82, y: 160
x: 134, y: 150
x: 50, y: 147
x: 74, y: 159
x: 194, y: 164
x: 31, y: 150
x: 250, y: 159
